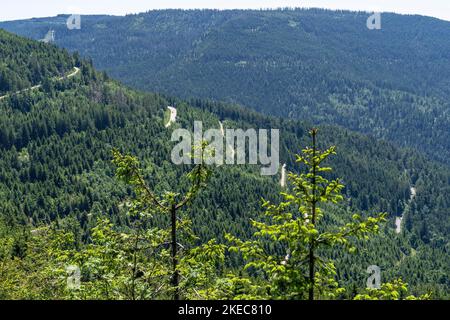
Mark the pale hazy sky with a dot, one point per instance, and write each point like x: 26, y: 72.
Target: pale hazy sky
x: 22, y: 9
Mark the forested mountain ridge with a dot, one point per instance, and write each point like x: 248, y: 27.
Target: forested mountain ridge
x: 56, y: 145
x: 30, y: 64
x: 317, y: 65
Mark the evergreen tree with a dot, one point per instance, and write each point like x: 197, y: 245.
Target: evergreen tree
x: 169, y: 203
x: 293, y: 264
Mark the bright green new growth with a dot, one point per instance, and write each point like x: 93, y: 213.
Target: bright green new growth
x: 157, y: 256
x: 292, y: 268
x: 395, y: 290
x: 192, y: 270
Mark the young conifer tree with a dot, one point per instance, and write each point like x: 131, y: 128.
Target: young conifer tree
x: 171, y: 203
x: 292, y: 262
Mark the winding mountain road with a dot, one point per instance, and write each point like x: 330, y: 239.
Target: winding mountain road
x: 398, y: 220
x: 283, y: 176
x: 173, y: 116
x: 70, y: 75
x: 228, y: 147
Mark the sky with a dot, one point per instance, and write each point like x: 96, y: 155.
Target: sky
x: 24, y: 9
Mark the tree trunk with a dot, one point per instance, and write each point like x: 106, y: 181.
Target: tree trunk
x: 313, y: 220
x: 175, y: 274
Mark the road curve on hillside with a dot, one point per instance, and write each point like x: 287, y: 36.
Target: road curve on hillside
x: 173, y: 116
x: 283, y: 176
x: 70, y: 75
x: 398, y: 220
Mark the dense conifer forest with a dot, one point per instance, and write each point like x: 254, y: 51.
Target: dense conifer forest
x: 86, y: 180
x: 317, y: 65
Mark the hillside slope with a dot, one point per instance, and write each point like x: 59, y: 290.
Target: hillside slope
x: 56, y: 143
x: 21, y: 69
x: 316, y: 65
